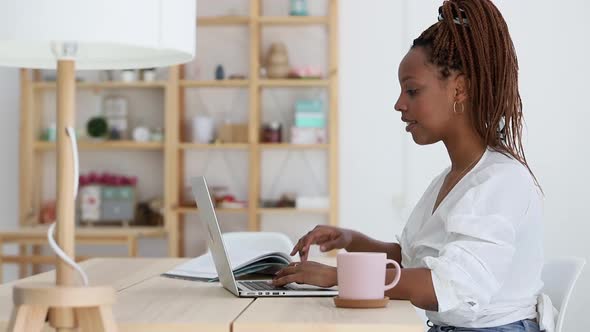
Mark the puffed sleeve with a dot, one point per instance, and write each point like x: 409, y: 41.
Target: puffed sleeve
x: 481, y: 229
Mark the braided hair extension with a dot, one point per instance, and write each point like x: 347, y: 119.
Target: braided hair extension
x: 472, y: 38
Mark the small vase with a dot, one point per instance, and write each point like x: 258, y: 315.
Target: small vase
x: 219, y: 73
x: 277, y: 63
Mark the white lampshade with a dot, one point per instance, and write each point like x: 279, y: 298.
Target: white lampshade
x: 109, y: 34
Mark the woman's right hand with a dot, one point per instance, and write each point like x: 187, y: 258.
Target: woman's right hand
x: 327, y: 237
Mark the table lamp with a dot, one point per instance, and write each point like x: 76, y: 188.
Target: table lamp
x: 95, y: 35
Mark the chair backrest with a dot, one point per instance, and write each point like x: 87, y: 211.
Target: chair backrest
x: 560, y: 276
x: 258, y: 241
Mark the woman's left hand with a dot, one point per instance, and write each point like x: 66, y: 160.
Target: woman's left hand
x: 308, y: 272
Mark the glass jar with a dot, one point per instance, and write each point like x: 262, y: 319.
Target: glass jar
x: 157, y: 135
x: 272, y: 133
x: 298, y: 8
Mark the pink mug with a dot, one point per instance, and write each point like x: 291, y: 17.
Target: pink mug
x: 361, y: 275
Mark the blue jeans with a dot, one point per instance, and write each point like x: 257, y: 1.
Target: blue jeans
x: 526, y: 325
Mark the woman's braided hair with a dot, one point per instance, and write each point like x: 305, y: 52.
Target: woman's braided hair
x: 472, y: 38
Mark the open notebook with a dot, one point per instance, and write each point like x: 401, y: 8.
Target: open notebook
x: 243, y: 262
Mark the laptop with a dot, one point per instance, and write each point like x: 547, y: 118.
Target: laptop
x: 241, y: 288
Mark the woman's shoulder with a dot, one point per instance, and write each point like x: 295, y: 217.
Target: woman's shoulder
x: 504, y: 168
x: 499, y: 185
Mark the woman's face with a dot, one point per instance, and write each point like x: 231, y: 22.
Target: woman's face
x: 425, y: 101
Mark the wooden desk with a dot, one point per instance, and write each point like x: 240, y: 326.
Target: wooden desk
x: 147, y: 302
x: 320, y: 314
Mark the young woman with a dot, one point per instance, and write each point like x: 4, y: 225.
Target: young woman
x: 471, y: 250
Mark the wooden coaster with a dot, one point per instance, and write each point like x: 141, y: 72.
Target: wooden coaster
x: 361, y: 304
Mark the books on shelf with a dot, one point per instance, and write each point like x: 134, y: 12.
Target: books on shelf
x: 243, y: 262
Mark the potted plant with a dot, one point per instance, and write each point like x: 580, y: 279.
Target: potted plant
x: 97, y: 128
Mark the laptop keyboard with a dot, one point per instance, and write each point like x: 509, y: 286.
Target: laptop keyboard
x: 264, y: 286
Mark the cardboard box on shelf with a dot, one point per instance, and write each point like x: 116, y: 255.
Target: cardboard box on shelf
x: 233, y: 133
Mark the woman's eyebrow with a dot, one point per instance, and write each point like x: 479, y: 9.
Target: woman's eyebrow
x: 407, y: 77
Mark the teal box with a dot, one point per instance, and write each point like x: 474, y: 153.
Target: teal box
x: 118, y: 192
x: 118, y: 203
x: 310, y: 120
x: 303, y: 105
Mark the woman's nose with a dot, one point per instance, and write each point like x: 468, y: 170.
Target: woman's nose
x: 399, y: 106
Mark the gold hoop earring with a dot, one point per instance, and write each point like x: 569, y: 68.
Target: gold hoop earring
x: 455, y: 108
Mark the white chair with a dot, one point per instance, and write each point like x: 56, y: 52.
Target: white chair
x: 271, y: 241
x: 560, y: 276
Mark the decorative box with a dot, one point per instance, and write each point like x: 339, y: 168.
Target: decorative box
x: 106, y: 198
x: 118, y: 203
x: 309, y: 105
x: 89, y: 200
x: 309, y: 114
x: 308, y: 135
x: 310, y: 120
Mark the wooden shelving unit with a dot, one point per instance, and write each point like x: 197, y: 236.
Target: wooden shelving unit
x: 255, y: 85
x: 223, y: 20
x: 173, y: 148
x: 102, y: 85
x: 225, y: 146
x: 292, y: 211
x: 30, y: 236
x: 293, y: 20
x: 107, y: 145
x: 280, y: 146
x: 293, y: 83
x: 214, y: 84
x: 187, y: 210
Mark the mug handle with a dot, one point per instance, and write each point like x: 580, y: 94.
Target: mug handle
x: 398, y: 273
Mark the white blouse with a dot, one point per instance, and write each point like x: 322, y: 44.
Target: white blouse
x: 483, y: 244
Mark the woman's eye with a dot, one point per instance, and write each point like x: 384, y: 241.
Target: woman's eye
x: 412, y: 92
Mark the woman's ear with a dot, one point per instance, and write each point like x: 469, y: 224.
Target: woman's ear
x: 461, y: 86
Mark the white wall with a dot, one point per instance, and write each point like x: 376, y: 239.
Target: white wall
x: 9, y: 101
x: 554, y: 59
x: 382, y: 172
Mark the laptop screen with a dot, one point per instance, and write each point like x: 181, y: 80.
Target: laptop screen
x: 214, y: 239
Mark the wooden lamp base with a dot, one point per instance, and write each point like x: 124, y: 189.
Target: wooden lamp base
x: 91, y: 306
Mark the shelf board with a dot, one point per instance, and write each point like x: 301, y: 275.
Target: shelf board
x: 293, y: 20
x: 142, y: 231
x: 107, y: 145
x: 87, y: 231
x: 214, y: 83
x: 291, y: 211
x: 294, y: 82
x: 287, y: 146
x: 223, y: 146
x: 104, y: 85
x: 192, y: 209
x: 222, y: 20
x: 132, y: 145
x: 186, y: 210
x: 265, y: 20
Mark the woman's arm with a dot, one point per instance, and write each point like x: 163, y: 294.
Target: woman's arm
x: 414, y: 285
x: 362, y: 243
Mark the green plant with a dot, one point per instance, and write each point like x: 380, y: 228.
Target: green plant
x: 97, y: 127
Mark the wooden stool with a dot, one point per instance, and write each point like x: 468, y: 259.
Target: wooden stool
x: 91, y: 306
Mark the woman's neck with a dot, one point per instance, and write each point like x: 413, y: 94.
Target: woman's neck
x: 464, y: 150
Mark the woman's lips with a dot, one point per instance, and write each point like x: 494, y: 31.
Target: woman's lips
x: 410, y: 125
